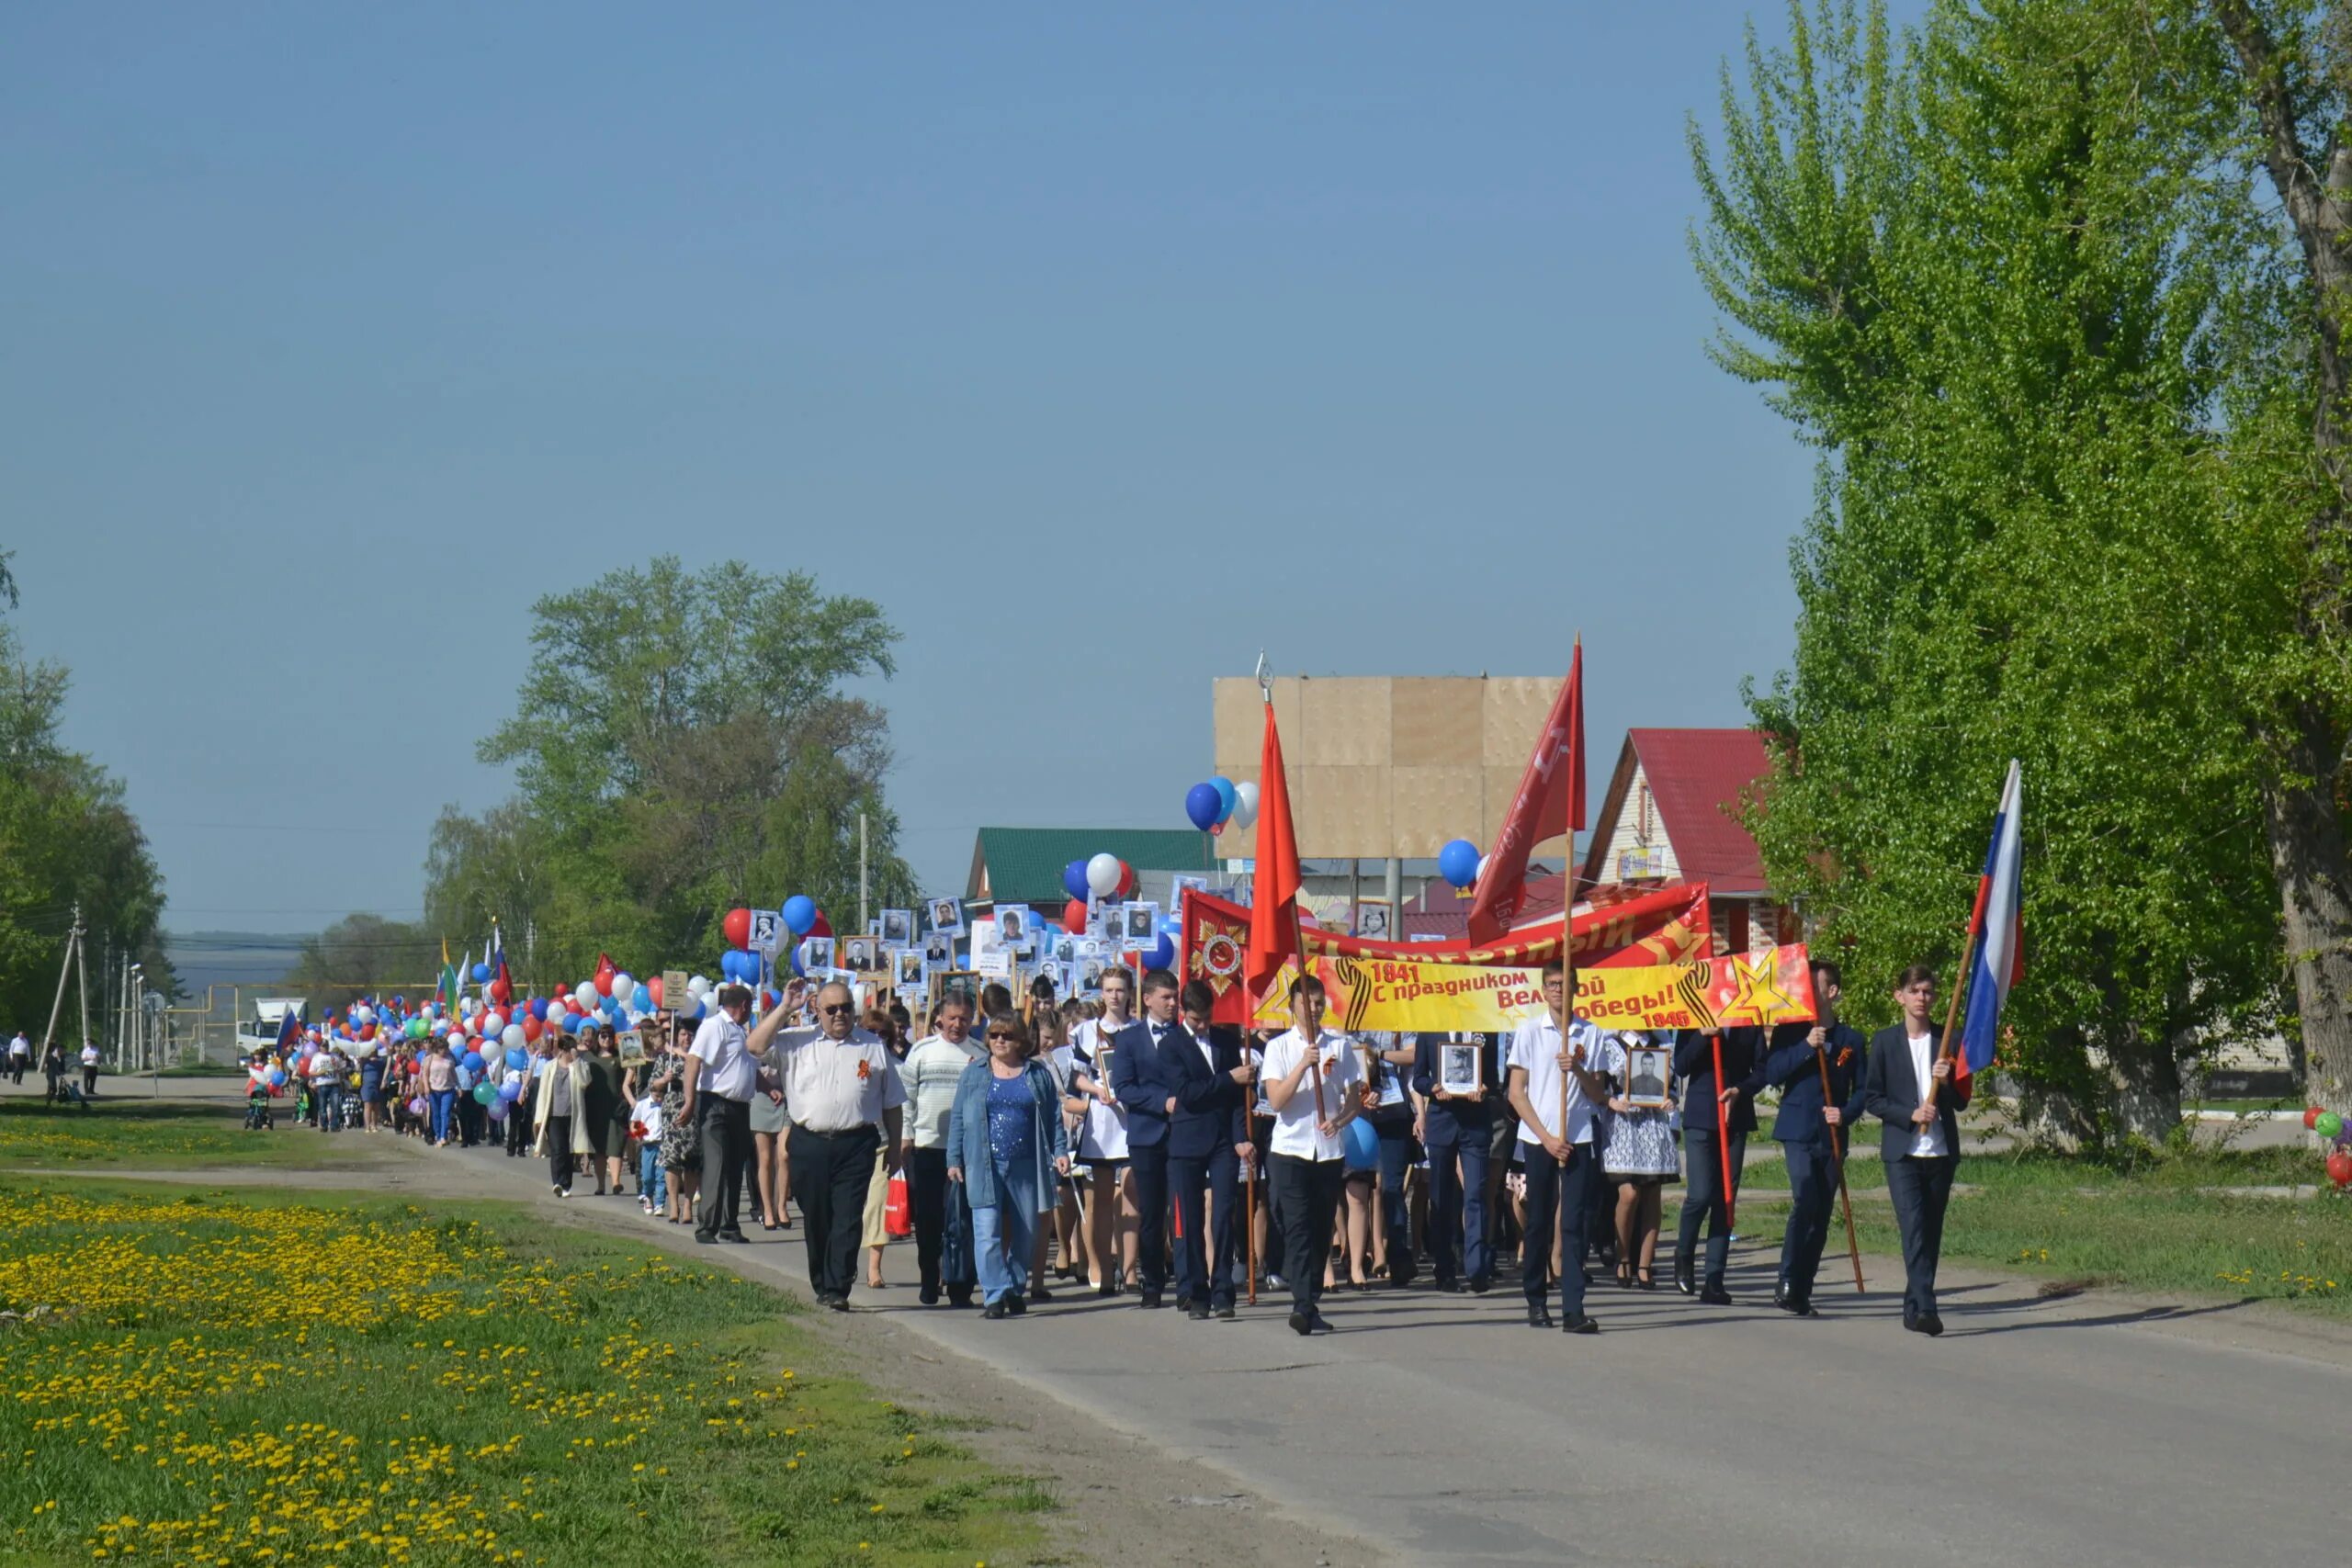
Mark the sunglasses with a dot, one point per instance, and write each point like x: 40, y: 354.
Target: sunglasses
x: 836, y: 1010
x: 996, y: 1035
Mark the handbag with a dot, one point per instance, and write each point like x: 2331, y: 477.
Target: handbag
x: 897, y: 1213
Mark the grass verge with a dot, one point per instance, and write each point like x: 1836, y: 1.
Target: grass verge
x: 237, y: 1379
x: 161, y: 1135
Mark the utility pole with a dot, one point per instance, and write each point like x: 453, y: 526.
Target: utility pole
x: 861, y: 872
x: 64, y: 969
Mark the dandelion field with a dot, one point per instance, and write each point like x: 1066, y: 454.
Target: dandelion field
x: 161, y: 1134
x: 233, y: 1379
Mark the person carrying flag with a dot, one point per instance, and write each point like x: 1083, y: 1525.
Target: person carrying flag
x: 1920, y: 1139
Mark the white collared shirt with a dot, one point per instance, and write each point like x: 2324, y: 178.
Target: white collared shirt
x: 1535, y: 1046
x: 823, y: 1086
x: 728, y: 1070
x: 1296, y: 1131
x: 1927, y: 1143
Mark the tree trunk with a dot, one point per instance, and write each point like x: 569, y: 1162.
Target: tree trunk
x: 2147, y: 1092
x: 2307, y: 857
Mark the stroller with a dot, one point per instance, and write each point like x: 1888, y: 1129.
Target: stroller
x: 259, y: 1118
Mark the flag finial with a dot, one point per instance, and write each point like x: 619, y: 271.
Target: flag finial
x: 1265, y: 678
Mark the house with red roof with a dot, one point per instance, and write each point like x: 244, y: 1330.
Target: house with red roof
x: 1672, y: 814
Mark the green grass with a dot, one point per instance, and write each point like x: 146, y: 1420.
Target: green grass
x: 160, y: 1134
x: 2151, y: 1223
x: 242, y: 1379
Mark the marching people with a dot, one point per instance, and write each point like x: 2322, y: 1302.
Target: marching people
x: 1637, y: 1158
x: 771, y: 1185
x: 845, y: 1090
x: 1207, y: 1139
x: 932, y: 1074
x: 89, y: 1069
x: 52, y: 1067
x: 559, y: 1114
x: 20, y: 1056
x: 875, y: 1227
x: 1388, y: 1106
x: 604, y: 1113
x: 1006, y: 1153
x: 1102, y: 1141
x: 1555, y: 1086
x: 721, y: 1078
x: 326, y: 1087
x: 439, y: 1071
x: 1454, y: 1127
x: 1908, y: 1084
x: 1715, y: 1124
x: 1146, y: 1087
x: 1311, y: 1080
x: 1812, y: 1134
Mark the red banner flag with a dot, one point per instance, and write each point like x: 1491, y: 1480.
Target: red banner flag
x: 1273, y: 887
x: 1551, y: 790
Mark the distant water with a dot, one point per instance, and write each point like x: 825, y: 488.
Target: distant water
x: 257, y: 961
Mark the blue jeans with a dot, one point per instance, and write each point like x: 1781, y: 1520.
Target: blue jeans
x: 442, y: 1099
x: 652, y: 1182
x: 329, y: 1099
x: 1004, y: 1235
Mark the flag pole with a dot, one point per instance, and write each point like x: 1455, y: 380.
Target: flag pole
x: 1723, y: 1136
x: 1838, y: 1156
x: 1944, y: 1051
x: 1575, y: 759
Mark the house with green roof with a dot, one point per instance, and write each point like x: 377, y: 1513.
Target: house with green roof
x: 1023, y: 866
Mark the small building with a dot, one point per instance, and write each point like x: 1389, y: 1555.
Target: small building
x: 1672, y: 814
x: 1024, y: 866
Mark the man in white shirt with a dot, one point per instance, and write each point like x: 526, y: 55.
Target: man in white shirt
x: 1312, y: 1080
x: 1908, y: 1085
x: 20, y: 1055
x: 1555, y: 1086
x: 845, y: 1093
x: 89, y: 1069
x: 943, y: 1256
x: 326, y: 1087
x: 721, y: 1078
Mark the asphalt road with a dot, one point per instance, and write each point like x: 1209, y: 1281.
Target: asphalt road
x: 2088, y: 1430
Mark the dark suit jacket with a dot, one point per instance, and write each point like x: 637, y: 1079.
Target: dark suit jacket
x: 1891, y: 1091
x: 1791, y: 1069
x: 1143, y: 1078
x: 1694, y: 1064
x: 1447, y: 1123
x: 1208, y: 1102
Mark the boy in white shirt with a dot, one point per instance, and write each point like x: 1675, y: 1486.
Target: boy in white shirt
x: 1550, y: 1074
x: 647, y: 1126
x: 1312, y: 1080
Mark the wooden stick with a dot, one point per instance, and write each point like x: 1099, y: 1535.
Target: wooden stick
x: 1722, y: 1134
x: 1951, y: 1012
x: 1838, y: 1154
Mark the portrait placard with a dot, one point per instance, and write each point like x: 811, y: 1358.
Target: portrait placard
x: 1460, y: 1067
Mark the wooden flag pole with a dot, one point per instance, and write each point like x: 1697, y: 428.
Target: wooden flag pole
x: 1951, y: 1010
x: 1838, y: 1154
x: 1723, y: 1136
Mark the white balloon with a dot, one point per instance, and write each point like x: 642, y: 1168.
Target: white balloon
x: 586, y: 995
x: 363, y: 1014
x: 512, y: 1037
x: 1102, y: 875
x: 698, y: 986
x: 1245, y: 805
x: 622, y: 985
x: 1482, y: 869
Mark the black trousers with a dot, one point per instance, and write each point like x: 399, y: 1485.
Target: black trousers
x: 1702, y: 1171
x: 831, y: 1173
x: 1921, y: 1189
x: 1813, y: 1191
x: 1147, y: 1184
x: 1205, y: 1253
x: 1459, y: 1245
x: 560, y: 1150
x: 1556, y: 1194
x: 89, y: 1080
x: 942, y: 1225
x: 726, y: 1150
x: 1306, y: 1191
x: 518, y: 1128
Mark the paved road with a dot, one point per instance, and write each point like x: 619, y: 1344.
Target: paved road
x: 1441, y: 1428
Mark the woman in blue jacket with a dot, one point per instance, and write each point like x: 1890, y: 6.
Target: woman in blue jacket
x: 1006, y: 1145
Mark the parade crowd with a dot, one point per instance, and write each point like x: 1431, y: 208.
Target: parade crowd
x: 1130, y: 1146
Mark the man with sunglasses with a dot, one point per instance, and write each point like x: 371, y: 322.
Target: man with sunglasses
x: 845, y: 1090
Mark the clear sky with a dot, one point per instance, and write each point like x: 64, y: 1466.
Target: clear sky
x: 1103, y: 346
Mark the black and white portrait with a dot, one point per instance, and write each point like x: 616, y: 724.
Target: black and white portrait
x: 938, y: 951
x: 897, y: 926
x: 1646, y: 1071
x: 910, y: 966
x: 862, y: 954
x: 1458, y: 1068
x: 947, y: 915
x: 1139, y: 924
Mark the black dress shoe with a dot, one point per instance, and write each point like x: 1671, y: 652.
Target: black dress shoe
x: 737, y: 1236
x: 1151, y: 1301
x: 702, y: 1240
x: 928, y: 1295
x: 1715, y: 1296
x: 994, y: 1311
x: 1198, y: 1312
x: 1797, y: 1306
x: 1015, y: 1305
x: 1226, y: 1312
x: 1931, y: 1324
x: 959, y: 1296
x: 1538, y: 1316
x: 1301, y: 1325
x: 1686, y: 1280
x: 1912, y: 1321
x: 1481, y: 1283
x: 1317, y: 1321
x: 1578, y: 1323
x: 1041, y: 1294
x: 839, y: 1303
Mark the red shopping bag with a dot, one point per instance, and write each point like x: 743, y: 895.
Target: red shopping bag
x: 898, y: 1217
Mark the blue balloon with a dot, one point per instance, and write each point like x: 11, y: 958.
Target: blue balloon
x: 517, y: 1059
x: 800, y: 913
x: 539, y: 1009
x: 277, y: 1078
x: 482, y: 974
x: 1228, y: 797
x: 642, y: 997
x: 1362, y: 1151
x: 1162, y: 954
x: 1202, y: 805
x: 510, y: 1091
x: 1074, y: 878
x: 473, y: 1060
x: 573, y: 1022
x: 1458, y: 862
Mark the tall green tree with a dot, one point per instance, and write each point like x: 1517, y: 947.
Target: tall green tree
x: 683, y: 743
x: 1998, y: 277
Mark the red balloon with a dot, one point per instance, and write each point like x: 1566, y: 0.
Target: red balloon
x: 2310, y: 1117
x: 736, y: 928
x: 532, y: 1028
x: 653, y: 989
x: 822, y: 927
x: 1074, y: 916
x: 2339, y: 1168
x: 501, y: 991
x: 605, y: 981
x: 1126, y: 880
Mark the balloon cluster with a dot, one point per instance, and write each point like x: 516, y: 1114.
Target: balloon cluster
x: 2338, y: 1131
x: 1220, y: 801
x: 1102, y: 876
x: 740, y: 964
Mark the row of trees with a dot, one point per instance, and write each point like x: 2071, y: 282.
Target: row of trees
x: 66, y: 839
x: 2057, y: 286
x: 683, y: 743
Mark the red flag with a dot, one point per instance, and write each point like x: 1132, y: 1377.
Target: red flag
x: 1550, y: 791
x: 1273, y: 886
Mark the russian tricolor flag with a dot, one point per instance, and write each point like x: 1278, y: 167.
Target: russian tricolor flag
x: 1998, y: 923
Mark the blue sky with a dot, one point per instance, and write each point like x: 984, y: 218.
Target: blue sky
x: 1112, y: 342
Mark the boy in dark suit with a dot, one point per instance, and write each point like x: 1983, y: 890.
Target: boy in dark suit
x: 1207, y: 1139
x: 1812, y: 1134
x: 1908, y: 1086
x: 1146, y: 1087
x: 1712, y: 1118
